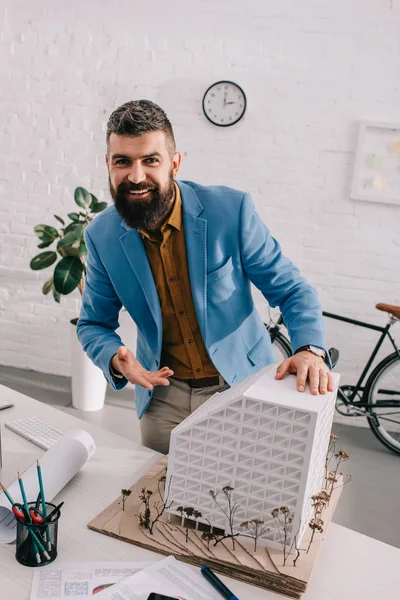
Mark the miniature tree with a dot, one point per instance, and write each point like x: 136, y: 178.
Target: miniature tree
x: 188, y: 514
x: 331, y: 451
x: 319, y: 502
x: 125, y: 495
x: 284, y: 518
x: 229, y: 512
x: 208, y: 536
x: 341, y: 456
x: 315, y: 525
x: 145, y: 518
x: 297, y: 550
x: 255, y: 528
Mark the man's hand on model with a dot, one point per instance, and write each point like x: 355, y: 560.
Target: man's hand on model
x: 308, y: 367
x: 125, y: 363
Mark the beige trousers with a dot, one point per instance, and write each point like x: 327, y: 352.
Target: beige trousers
x: 169, y: 406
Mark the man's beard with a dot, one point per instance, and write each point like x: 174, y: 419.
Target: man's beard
x: 144, y: 214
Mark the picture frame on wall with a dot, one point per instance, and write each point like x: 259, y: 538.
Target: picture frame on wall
x: 376, y: 176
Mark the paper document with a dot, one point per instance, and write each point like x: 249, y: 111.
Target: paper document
x: 169, y: 577
x: 80, y: 580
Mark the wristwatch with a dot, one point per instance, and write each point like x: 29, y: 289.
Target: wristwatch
x: 314, y: 349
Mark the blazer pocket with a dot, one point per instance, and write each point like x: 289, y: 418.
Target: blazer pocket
x: 221, y: 272
x: 258, y: 353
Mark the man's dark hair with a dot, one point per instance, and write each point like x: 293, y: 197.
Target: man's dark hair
x: 138, y: 117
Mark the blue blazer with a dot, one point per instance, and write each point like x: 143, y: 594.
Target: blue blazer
x: 228, y: 247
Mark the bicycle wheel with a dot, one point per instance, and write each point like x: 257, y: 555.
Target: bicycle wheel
x: 281, y: 346
x: 384, y: 385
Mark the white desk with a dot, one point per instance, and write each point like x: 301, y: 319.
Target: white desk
x: 351, y: 566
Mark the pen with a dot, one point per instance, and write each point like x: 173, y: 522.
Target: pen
x: 217, y: 584
x: 6, y: 406
x: 54, y: 511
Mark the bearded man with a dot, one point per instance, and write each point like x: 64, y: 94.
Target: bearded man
x: 181, y: 257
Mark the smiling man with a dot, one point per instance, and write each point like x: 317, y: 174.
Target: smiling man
x: 180, y: 257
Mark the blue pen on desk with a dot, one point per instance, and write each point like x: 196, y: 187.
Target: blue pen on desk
x: 217, y: 584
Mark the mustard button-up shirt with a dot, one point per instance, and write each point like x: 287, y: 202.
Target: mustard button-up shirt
x: 183, y: 348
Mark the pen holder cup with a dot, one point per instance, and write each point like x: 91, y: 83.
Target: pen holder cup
x: 37, y: 542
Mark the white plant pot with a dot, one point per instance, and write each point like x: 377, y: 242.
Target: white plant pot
x: 88, y: 382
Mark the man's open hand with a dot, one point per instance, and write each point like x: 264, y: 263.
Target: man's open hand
x: 125, y: 362
x: 308, y: 367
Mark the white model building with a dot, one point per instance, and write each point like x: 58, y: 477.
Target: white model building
x: 264, y: 439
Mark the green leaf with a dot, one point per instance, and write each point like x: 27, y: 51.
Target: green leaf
x: 69, y: 245
x: 48, y: 286
x: 45, y: 244
x: 46, y: 233
x: 56, y: 295
x: 82, y: 197
x: 74, y: 216
x: 60, y: 220
x: 99, y: 207
x: 83, y: 250
x: 78, y: 230
x: 69, y: 228
x: 69, y: 238
x: 67, y: 274
x: 94, y: 201
x: 43, y: 260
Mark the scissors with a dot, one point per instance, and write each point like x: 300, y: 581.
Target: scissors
x: 35, y: 515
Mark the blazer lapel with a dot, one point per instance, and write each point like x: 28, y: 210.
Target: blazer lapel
x: 135, y: 253
x: 196, y: 250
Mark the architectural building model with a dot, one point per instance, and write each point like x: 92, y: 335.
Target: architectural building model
x: 260, y: 437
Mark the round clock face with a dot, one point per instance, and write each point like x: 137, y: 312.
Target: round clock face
x: 224, y: 103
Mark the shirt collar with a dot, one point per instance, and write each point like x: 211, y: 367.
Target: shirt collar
x: 175, y: 218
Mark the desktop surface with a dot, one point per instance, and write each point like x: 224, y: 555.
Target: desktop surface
x: 350, y: 566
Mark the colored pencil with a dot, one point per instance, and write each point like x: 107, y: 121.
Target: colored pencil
x: 7, y: 494
x: 25, y: 502
x: 43, y: 499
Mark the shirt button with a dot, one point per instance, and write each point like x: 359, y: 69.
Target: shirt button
x: 171, y: 279
x: 190, y: 342
x: 198, y: 370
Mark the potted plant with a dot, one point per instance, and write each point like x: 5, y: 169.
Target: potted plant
x: 68, y: 260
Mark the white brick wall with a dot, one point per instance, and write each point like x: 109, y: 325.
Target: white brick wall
x: 311, y: 69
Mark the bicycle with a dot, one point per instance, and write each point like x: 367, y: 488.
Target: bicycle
x: 379, y: 398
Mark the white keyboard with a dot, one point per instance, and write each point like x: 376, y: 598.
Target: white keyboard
x: 36, y: 431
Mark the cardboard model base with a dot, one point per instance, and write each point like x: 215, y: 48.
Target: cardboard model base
x: 263, y: 567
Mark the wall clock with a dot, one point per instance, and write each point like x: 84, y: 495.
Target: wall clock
x: 224, y: 103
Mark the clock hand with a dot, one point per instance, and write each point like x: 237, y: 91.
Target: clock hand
x: 230, y: 102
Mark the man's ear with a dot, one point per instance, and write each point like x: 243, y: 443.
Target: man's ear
x: 176, y: 162
x: 107, y: 161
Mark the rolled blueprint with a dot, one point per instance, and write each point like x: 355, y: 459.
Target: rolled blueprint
x: 59, y: 464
